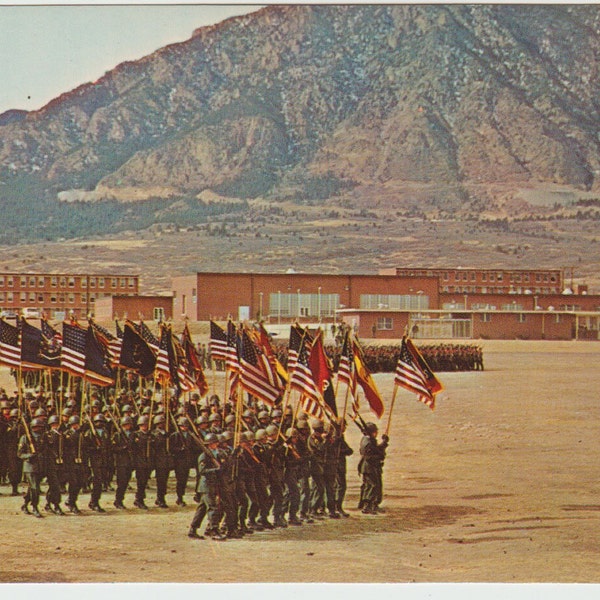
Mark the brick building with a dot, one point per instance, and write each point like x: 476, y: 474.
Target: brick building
x: 155, y: 308
x: 288, y: 297
x: 60, y: 294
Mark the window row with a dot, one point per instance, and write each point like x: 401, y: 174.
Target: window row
x: 30, y: 281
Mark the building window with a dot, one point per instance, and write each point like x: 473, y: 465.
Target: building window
x: 131, y: 282
x: 499, y: 276
x: 41, y: 298
x: 486, y: 318
x: 123, y: 282
x: 83, y: 298
x: 158, y: 313
x: 23, y: 297
x: 53, y: 281
x: 492, y: 277
x: 1, y: 296
x: 92, y: 282
x: 385, y: 323
x: 10, y: 282
x: 63, y: 282
x: 71, y: 282
x: 445, y: 276
x: 101, y: 282
x: 71, y: 298
x: 23, y: 282
x: 1, y: 280
x: 32, y: 297
x: 521, y: 318
x: 9, y: 297
x: 113, y: 283
x: 32, y: 282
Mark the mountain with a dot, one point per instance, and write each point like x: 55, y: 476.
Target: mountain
x: 454, y: 108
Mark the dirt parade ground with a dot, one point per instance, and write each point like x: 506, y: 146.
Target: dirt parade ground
x: 499, y: 484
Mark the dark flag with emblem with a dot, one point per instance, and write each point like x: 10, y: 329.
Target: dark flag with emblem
x: 37, y: 352
x: 135, y: 352
x: 321, y: 372
x: 98, y: 369
x: 180, y: 375
x: 414, y: 374
x: 73, y: 349
x: 149, y: 337
x: 10, y: 349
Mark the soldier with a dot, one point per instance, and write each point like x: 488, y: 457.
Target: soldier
x: 98, y: 448
x: 142, y: 460
x: 4, y: 420
x: 245, y: 488
x: 208, y: 488
x: 291, y: 475
x: 162, y: 459
x: 74, y: 463
x: 341, y: 451
x: 13, y: 434
x: 275, y: 458
x: 227, y: 486
x: 370, y: 468
x: 32, y: 451
x: 122, y: 444
x: 304, y: 470
x: 55, y: 465
x: 317, y: 448
x: 249, y: 421
x: 183, y: 449
x: 261, y: 504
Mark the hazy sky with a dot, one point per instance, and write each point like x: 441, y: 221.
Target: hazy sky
x: 48, y: 50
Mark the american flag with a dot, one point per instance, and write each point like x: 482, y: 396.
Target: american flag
x: 148, y: 337
x: 180, y: 371
x: 98, y: 368
x: 218, y: 342
x: 296, y: 336
x: 10, y: 351
x: 252, y: 375
x: 162, y: 358
x: 193, y: 361
x: 72, y: 357
x: 413, y: 374
x: 346, y: 373
x: 302, y: 377
x: 232, y: 362
x: 108, y: 339
x: 312, y: 407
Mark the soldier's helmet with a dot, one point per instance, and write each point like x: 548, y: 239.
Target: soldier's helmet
x: 126, y: 408
x: 143, y: 420
x: 248, y: 436
x: 127, y: 420
x: 201, y: 420
x: 99, y: 418
x: 182, y: 422
x: 291, y: 431
x: 214, y: 417
x: 229, y: 419
x: 158, y: 419
x: 40, y: 412
x: 195, y: 396
x: 276, y: 414
x: 301, y: 425
x: 211, y: 438
x: 260, y: 434
x: 66, y: 412
x: 14, y: 413
x: 247, y: 414
x: 370, y: 427
x: 146, y: 410
x: 53, y: 419
x: 272, y: 430
x: 227, y: 436
x: 74, y: 420
x: 37, y: 422
x: 3, y: 404
x: 262, y: 415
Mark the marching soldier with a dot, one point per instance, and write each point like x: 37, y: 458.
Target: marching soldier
x: 13, y: 434
x: 74, y: 462
x: 162, y: 459
x: 122, y: 444
x: 185, y: 455
x: 371, y: 467
x: 55, y: 464
x: 142, y: 460
x: 98, y: 448
x: 32, y: 451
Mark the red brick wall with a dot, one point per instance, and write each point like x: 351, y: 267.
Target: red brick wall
x: 133, y: 307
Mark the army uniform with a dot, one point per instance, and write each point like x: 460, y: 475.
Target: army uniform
x: 32, y: 451
x: 14, y: 464
x: 291, y: 474
x: 55, y: 464
x: 143, y: 461
x: 185, y: 455
x: 98, y: 448
x: 370, y: 467
x: 74, y: 460
x: 162, y: 459
x: 122, y: 445
x: 317, y: 448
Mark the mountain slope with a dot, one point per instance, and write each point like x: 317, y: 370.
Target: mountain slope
x: 451, y: 105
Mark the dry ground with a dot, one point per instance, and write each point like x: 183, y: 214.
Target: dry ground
x: 498, y: 484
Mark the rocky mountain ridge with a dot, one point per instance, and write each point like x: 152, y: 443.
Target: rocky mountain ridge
x: 444, y: 107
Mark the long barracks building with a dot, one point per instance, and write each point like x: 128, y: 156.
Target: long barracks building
x: 57, y: 295
x: 441, y: 303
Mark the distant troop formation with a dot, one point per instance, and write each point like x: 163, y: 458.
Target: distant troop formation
x: 384, y: 358
x: 285, y: 469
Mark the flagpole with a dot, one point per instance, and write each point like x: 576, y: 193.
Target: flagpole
x: 387, y: 428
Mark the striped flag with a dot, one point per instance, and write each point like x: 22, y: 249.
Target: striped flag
x: 312, y: 407
x: 37, y: 351
x: 218, y: 342
x: 302, y: 377
x: 72, y: 357
x: 112, y: 343
x: 346, y: 373
x: 252, y: 375
x: 297, y: 334
x: 162, y: 358
x: 10, y: 350
x: 193, y: 361
x: 232, y: 361
x: 148, y: 337
x: 98, y: 368
x: 413, y: 374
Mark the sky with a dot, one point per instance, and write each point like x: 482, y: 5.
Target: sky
x: 48, y: 50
